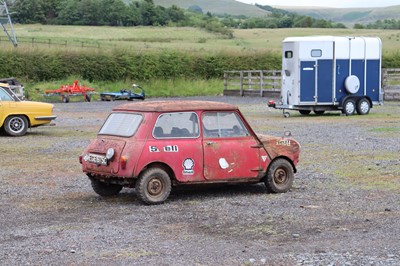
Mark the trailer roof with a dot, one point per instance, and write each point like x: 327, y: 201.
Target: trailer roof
x: 326, y: 38
x: 174, y: 106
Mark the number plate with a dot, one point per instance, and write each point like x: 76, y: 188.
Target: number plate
x: 96, y: 159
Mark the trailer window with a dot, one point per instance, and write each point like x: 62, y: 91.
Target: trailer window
x: 288, y: 54
x: 316, y: 53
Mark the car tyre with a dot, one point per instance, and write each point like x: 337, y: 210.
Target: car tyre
x: 16, y: 125
x: 363, y: 106
x: 65, y: 99
x: 349, y: 107
x: 280, y: 176
x: 105, y: 189
x: 305, y: 112
x: 153, y: 186
x: 87, y: 98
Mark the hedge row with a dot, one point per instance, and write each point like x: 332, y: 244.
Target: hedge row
x: 118, y: 65
x: 42, y: 66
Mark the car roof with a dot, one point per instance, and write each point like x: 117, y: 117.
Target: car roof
x: 173, y: 106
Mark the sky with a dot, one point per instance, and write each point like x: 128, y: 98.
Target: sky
x: 325, y: 3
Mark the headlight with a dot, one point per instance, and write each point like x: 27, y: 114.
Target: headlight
x: 110, y: 153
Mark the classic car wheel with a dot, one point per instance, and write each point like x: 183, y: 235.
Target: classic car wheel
x: 280, y: 176
x: 153, y: 186
x: 16, y: 125
x: 105, y: 189
x: 363, y: 106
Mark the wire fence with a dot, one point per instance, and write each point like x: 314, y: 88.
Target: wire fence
x: 34, y: 42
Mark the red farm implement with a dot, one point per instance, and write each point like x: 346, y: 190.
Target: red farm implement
x: 66, y: 91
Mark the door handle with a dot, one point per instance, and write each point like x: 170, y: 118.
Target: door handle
x: 210, y: 143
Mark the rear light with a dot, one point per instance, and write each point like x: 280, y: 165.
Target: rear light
x: 123, y: 162
x: 271, y: 103
x: 80, y: 159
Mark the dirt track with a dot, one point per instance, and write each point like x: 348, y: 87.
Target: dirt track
x: 343, y: 209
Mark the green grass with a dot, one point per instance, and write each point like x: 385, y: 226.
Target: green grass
x: 159, y: 39
x: 153, y: 88
x: 185, y: 39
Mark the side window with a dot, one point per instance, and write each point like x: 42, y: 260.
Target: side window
x: 4, y: 96
x: 223, y: 125
x: 177, y: 125
x: 288, y: 54
x: 316, y: 53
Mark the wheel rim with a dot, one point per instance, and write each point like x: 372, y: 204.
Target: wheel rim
x: 280, y: 176
x: 350, y: 108
x: 16, y: 124
x: 364, y: 107
x: 155, y: 187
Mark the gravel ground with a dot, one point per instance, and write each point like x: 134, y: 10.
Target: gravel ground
x: 342, y: 210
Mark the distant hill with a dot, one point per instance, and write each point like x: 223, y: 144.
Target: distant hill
x: 348, y: 15
x: 343, y: 15
x: 217, y: 7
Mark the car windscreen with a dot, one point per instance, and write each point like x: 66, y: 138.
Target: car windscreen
x: 121, y: 124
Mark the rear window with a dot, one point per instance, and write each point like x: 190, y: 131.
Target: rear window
x: 121, y: 124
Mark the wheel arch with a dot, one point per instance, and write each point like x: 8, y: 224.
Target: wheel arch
x: 356, y: 98
x: 285, y: 158
x: 162, y: 166
x: 24, y: 115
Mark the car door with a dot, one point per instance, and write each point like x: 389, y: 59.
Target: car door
x: 230, y: 151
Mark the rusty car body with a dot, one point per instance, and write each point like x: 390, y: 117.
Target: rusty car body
x: 156, y: 145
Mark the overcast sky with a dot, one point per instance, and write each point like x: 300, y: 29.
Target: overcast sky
x: 325, y: 3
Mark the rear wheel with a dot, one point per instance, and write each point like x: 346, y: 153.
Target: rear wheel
x: 105, y: 189
x: 305, y: 112
x: 280, y: 176
x: 153, y: 186
x: 16, y: 125
x: 349, y: 107
x: 363, y: 106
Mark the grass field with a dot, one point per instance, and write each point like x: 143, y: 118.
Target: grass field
x: 185, y: 39
x: 159, y: 39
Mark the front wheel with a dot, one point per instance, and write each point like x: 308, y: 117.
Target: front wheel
x: 16, y: 125
x: 105, y: 189
x: 349, y: 107
x: 153, y: 186
x: 280, y: 176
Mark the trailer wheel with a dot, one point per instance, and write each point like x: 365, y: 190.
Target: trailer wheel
x: 105, y: 189
x: 305, y: 112
x: 286, y: 114
x: 349, y: 107
x: 320, y: 112
x: 280, y: 176
x: 363, y: 106
x: 153, y: 186
x: 87, y: 98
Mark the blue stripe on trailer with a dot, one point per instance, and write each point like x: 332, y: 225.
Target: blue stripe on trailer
x: 373, y: 74
x: 307, y: 81
x: 325, y: 81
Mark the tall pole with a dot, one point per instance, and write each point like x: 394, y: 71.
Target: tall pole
x: 4, y: 19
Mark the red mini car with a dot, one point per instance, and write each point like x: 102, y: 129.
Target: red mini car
x: 153, y: 146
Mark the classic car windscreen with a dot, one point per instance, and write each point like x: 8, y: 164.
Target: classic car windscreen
x: 4, y: 96
x: 121, y: 124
